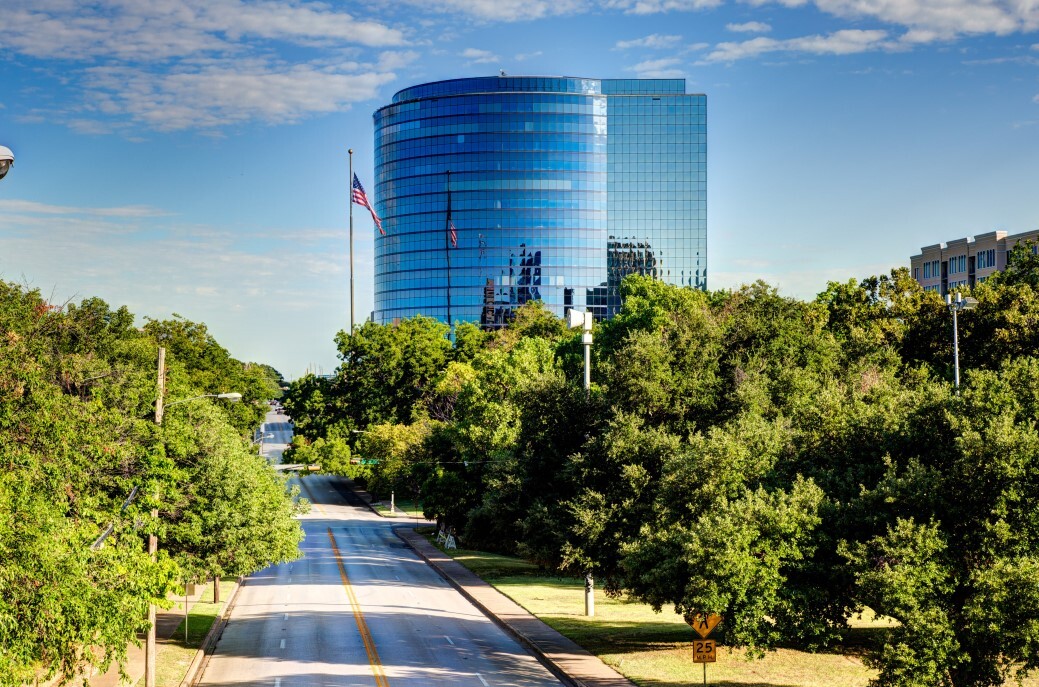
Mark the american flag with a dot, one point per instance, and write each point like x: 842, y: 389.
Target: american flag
x: 360, y: 198
x: 454, y: 234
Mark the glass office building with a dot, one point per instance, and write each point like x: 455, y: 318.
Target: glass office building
x: 496, y: 191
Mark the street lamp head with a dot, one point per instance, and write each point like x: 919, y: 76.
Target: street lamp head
x: 960, y: 303
x: 6, y: 160
x: 579, y: 318
x: 233, y: 397
x: 574, y: 318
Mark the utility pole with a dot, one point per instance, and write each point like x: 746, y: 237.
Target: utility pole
x: 153, y: 540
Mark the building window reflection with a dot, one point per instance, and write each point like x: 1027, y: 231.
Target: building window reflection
x: 560, y: 188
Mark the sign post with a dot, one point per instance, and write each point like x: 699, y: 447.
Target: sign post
x: 704, y: 650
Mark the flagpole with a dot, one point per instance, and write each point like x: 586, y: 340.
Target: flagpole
x: 447, y: 249
x: 350, y: 183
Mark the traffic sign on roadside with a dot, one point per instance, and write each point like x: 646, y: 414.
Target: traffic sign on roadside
x: 704, y: 651
x: 704, y: 623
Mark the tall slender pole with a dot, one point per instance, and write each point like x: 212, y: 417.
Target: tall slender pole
x: 447, y: 249
x: 956, y: 343
x: 587, y: 365
x: 153, y: 541
x: 586, y: 339
x: 351, y: 203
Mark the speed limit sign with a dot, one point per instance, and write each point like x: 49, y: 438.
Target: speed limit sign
x: 704, y: 651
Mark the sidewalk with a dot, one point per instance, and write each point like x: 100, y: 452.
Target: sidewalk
x: 566, y: 659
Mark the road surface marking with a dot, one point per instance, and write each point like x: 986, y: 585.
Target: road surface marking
x: 286, y: 617
x: 283, y: 644
x: 362, y: 626
x: 277, y: 682
x: 449, y: 640
x: 482, y: 680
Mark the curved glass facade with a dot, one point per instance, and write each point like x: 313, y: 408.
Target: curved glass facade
x: 499, y: 190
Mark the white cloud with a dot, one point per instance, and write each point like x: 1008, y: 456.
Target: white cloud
x: 176, y: 64
x: 154, y: 31
x: 847, y: 42
x: 29, y: 206
x: 221, y: 94
x: 925, y: 21
x: 1035, y: 99
x: 749, y: 27
x: 527, y: 55
x: 477, y: 56
x: 504, y: 10
x: 939, y: 19
x: 658, y: 6
x: 396, y: 59
x: 654, y: 40
x: 667, y: 68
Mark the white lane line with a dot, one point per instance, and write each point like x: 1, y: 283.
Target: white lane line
x: 286, y: 617
x: 283, y: 646
x: 449, y: 640
x: 277, y: 682
x: 482, y: 680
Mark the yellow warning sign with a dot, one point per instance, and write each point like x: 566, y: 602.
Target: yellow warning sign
x: 704, y: 623
x: 704, y: 651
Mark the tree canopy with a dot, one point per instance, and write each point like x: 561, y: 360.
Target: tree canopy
x: 785, y: 463
x: 78, y: 440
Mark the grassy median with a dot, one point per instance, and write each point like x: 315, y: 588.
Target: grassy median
x: 176, y: 654
x: 402, y: 507
x: 655, y: 649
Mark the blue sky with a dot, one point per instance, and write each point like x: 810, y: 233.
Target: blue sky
x: 189, y: 156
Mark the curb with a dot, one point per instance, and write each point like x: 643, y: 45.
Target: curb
x: 614, y: 679
x: 201, y: 659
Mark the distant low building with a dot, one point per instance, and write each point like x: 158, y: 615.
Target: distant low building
x: 945, y: 267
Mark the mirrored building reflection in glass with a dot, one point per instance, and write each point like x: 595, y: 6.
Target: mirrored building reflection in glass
x: 554, y: 188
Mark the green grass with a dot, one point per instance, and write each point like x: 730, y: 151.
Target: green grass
x: 175, y: 655
x: 403, y: 506
x: 655, y: 649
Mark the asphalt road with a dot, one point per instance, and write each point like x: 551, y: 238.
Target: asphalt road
x: 274, y: 436
x: 361, y: 609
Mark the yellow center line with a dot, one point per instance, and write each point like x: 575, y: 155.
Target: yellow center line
x: 362, y: 626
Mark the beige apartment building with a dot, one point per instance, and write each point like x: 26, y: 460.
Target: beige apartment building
x: 945, y: 267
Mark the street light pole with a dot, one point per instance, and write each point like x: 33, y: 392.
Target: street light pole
x: 153, y: 540
x: 955, y: 306
x: 585, y: 319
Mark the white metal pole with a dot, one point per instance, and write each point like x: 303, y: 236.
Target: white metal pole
x: 350, y: 182
x: 153, y: 541
x: 586, y: 339
x: 956, y: 342
x: 589, y: 595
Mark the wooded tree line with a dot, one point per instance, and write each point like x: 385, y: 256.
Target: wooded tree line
x: 78, y: 385
x: 784, y: 463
